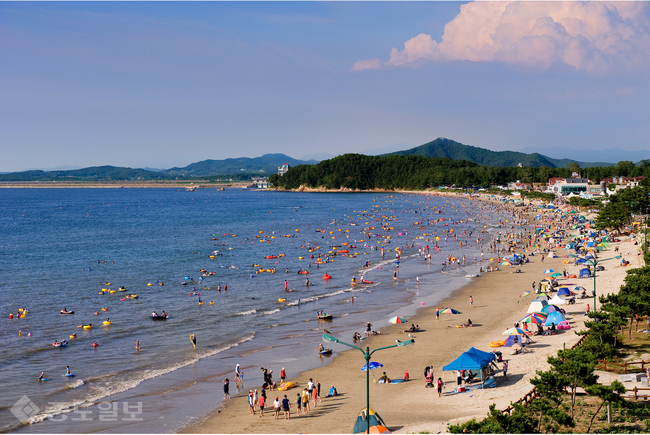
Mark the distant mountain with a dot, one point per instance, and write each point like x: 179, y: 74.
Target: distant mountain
x: 448, y: 148
x: 265, y: 165
x: 95, y: 173
x: 318, y: 157
x: 611, y: 156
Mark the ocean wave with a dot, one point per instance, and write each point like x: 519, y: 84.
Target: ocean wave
x: 266, y: 313
x: 245, y: 313
x: 112, y: 386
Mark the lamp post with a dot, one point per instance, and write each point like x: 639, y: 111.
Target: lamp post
x: 367, y: 354
x: 594, y: 263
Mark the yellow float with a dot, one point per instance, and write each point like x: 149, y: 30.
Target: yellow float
x: 497, y: 343
x: 106, y: 322
x: 281, y: 300
x: 285, y: 386
x: 211, y: 302
x: 87, y: 327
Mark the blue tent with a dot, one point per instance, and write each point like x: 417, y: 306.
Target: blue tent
x: 473, y: 359
x: 554, y: 317
x: 489, y: 356
x: 564, y: 291
x: 585, y: 273
x: 580, y: 261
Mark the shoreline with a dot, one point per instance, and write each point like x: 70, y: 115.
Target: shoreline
x: 409, y: 407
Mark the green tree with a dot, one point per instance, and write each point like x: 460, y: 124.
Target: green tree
x: 576, y: 368
x: 607, y: 394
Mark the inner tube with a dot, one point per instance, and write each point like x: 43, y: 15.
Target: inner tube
x: 363, y: 281
x: 326, y: 351
x: 87, y: 327
x: 106, y: 322
x: 326, y: 276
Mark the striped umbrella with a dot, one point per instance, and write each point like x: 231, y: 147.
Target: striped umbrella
x: 534, y: 318
x: 514, y: 331
x: 524, y: 294
x: 449, y: 311
x: 397, y: 319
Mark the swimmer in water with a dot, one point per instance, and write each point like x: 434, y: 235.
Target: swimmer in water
x: 137, y: 344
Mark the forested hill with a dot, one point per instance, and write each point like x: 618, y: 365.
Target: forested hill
x: 450, y: 149
x: 263, y: 165
x: 357, y: 171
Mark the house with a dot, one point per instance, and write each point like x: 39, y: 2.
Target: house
x: 283, y: 169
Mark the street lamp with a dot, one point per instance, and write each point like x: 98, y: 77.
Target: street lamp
x: 367, y: 354
x: 594, y: 263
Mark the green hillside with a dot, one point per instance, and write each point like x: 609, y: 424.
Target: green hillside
x: 264, y: 166
x: 447, y: 148
x: 94, y: 173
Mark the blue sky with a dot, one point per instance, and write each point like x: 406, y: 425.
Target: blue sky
x: 166, y: 84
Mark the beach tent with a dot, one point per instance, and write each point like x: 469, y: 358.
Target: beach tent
x: 489, y: 356
x: 585, y: 273
x: 564, y: 291
x: 510, y: 341
x: 556, y: 300
x: 554, y: 317
x: 536, y: 306
x: 550, y: 308
x: 361, y: 425
x: 468, y: 361
x: 552, y: 254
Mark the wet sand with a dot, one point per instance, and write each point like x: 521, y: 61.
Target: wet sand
x: 409, y: 407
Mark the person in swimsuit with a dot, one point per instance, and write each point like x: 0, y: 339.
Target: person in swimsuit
x: 193, y: 340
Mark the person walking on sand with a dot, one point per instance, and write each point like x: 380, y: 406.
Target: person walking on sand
x: 505, y: 369
x: 226, y: 388
x: 437, y: 314
x: 286, y: 407
x: 276, y: 407
x: 471, y: 301
x: 251, y: 404
x: 305, y: 401
x: 262, y: 401
x: 298, y: 404
x: 439, y: 387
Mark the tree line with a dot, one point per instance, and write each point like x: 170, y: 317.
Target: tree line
x: 358, y: 171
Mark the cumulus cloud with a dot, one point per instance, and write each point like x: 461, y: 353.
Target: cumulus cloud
x: 588, y: 36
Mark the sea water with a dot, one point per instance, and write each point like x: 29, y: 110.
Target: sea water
x: 60, y: 248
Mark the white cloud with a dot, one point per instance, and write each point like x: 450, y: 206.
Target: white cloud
x: 366, y: 64
x: 589, y: 36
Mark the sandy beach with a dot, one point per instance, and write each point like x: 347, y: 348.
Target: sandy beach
x: 409, y: 407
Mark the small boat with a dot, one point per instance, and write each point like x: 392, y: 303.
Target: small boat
x: 156, y: 316
x: 325, y: 317
x: 364, y: 281
x: 67, y: 312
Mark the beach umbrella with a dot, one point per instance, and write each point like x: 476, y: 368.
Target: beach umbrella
x: 449, y: 311
x: 524, y: 294
x: 534, y: 318
x: 378, y: 429
x: 549, y: 271
x: 373, y: 365
x: 514, y: 331
x: 556, y: 274
x: 397, y: 319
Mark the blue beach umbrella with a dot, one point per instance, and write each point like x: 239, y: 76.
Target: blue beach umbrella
x: 373, y: 365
